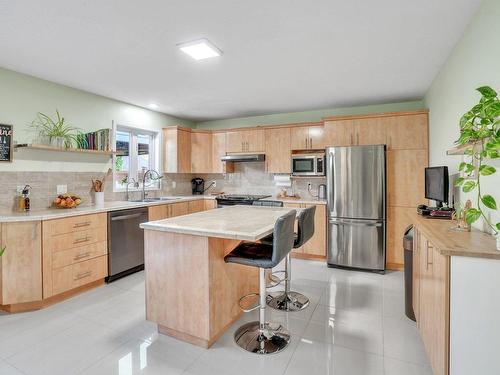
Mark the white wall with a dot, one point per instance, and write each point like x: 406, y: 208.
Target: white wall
x: 22, y: 96
x: 474, y: 62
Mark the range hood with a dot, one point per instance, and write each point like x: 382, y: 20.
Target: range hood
x: 244, y: 157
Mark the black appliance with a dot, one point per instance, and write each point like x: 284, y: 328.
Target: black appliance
x: 437, y: 185
x: 198, y: 186
x: 237, y: 199
x: 408, y: 259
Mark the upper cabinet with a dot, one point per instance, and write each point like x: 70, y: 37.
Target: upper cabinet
x: 407, y: 132
x: 201, y: 152
x: 369, y: 131
x: 176, y: 150
x: 307, y: 137
x: 242, y: 140
x: 218, y: 151
x: 278, y: 150
x: 339, y: 133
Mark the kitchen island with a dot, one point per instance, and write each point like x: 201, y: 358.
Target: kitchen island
x: 191, y: 293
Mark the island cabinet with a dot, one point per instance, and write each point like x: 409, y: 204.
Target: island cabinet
x: 310, y: 137
x: 315, y: 248
x: 75, y: 253
x: 245, y: 140
x: 278, y: 150
x: 20, y: 266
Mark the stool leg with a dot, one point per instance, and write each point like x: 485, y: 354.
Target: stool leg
x: 262, y: 337
x: 287, y: 300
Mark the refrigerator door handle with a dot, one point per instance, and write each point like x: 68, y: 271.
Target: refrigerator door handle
x: 359, y: 223
x: 330, y: 186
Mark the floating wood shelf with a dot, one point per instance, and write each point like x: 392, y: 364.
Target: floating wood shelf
x: 29, y: 146
x: 460, y: 150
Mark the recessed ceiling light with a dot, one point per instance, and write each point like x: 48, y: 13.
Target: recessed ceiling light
x: 200, y: 49
x: 153, y: 106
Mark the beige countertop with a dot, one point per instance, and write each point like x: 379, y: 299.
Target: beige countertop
x: 451, y: 242
x: 56, y: 213
x: 302, y: 200
x: 247, y: 223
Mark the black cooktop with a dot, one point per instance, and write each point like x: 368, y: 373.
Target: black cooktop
x: 232, y: 199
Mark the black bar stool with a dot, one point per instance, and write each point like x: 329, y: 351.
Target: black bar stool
x: 263, y: 337
x: 288, y: 300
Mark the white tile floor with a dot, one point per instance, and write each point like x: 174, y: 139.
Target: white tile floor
x: 354, y: 325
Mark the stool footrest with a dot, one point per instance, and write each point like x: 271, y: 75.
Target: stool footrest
x: 275, y: 279
x: 248, y: 296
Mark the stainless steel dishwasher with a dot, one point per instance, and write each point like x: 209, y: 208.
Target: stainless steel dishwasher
x: 125, y: 242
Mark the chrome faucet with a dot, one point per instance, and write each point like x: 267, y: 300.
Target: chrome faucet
x: 130, y: 181
x: 155, y: 176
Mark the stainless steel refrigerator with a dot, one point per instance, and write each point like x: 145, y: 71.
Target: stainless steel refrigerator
x: 356, y: 188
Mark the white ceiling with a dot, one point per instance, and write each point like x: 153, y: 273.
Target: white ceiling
x: 279, y: 55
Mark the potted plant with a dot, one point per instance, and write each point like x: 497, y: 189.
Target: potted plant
x: 58, y: 132
x: 480, y: 134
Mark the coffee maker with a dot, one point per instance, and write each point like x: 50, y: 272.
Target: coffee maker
x: 198, y: 186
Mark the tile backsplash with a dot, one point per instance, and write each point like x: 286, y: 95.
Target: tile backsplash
x: 248, y: 178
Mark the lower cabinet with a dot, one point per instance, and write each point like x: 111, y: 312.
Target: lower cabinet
x: 431, y: 301
x: 165, y: 211
x: 315, y: 248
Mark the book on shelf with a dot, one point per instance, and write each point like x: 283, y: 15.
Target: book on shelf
x: 98, y: 140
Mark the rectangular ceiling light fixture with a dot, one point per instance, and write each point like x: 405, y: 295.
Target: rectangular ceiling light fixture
x: 200, y: 49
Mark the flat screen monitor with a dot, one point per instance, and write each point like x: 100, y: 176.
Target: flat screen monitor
x: 437, y: 184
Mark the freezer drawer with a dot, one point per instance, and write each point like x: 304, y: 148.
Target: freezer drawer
x: 357, y: 243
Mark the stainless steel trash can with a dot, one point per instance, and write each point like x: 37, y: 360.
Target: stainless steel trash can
x: 408, y: 259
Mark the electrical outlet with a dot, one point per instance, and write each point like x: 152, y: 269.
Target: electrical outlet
x: 215, y: 184
x: 62, y: 189
x: 174, y: 184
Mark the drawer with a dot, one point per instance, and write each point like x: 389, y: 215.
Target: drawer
x: 74, y: 224
x: 79, y: 254
x: 78, y: 274
x: 77, y: 239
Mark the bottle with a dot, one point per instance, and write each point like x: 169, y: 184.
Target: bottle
x: 26, y: 197
x: 20, y: 202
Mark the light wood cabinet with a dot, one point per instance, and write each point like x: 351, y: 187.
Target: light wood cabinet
x: 315, y: 248
x: 278, y: 150
x: 339, y: 133
x: 176, y: 150
x: 251, y: 140
x: 218, y: 151
x: 201, y: 152
x: 164, y: 211
x: 407, y: 132
x: 79, y: 274
x: 21, y: 264
x: 307, y: 138
x: 369, y: 131
x: 405, y: 177
x: 196, y: 206
x: 398, y: 219
x: 158, y: 212
x: 433, y: 286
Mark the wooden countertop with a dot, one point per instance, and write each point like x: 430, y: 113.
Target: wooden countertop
x: 455, y: 243
x: 247, y: 223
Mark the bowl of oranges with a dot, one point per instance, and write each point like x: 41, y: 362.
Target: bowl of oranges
x: 67, y: 201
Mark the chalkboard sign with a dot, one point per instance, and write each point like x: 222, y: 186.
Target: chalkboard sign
x: 5, y: 142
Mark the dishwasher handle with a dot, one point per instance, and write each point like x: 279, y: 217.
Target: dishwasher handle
x: 126, y: 217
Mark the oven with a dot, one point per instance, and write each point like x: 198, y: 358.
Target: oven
x: 308, y: 164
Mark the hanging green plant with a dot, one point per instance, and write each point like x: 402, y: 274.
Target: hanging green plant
x: 480, y: 133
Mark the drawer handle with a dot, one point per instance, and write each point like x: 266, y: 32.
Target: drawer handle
x: 82, y: 256
x: 82, y: 275
x: 81, y: 240
x: 81, y: 225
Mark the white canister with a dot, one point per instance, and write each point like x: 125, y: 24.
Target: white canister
x: 99, y: 198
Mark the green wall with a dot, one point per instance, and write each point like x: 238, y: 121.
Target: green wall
x: 474, y: 62
x: 22, y: 96
x: 317, y: 115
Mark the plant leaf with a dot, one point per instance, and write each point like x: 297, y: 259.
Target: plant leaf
x: 487, y: 91
x: 489, y: 202
x: 492, y: 154
x: 487, y: 170
x: 469, y: 168
x: 459, y: 181
x: 472, y: 215
x: 498, y: 226
x: 468, y: 186
x: 462, y: 165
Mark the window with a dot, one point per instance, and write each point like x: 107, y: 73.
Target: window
x: 135, y: 154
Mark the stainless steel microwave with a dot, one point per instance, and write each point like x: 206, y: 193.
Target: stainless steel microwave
x: 308, y: 164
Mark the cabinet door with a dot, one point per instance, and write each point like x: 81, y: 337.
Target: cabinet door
x: 278, y: 150
x: 178, y: 209
x: 398, y: 219
x: 218, y: 151
x: 369, y: 131
x: 317, y: 137
x: 434, y: 306
x: 235, y: 141
x: 176, y: 151
x: 255, y: 140
x: 339, y: 133
x: 21, y: 264
x: 201, y: 152
x: 158, y: 212
x: 210, y: 204
x: 295, y: 206
x: 405, y: 177
x: 299, y: 138
x: 196, y: 206
x: 407, y: 132
x: 317, y: 243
